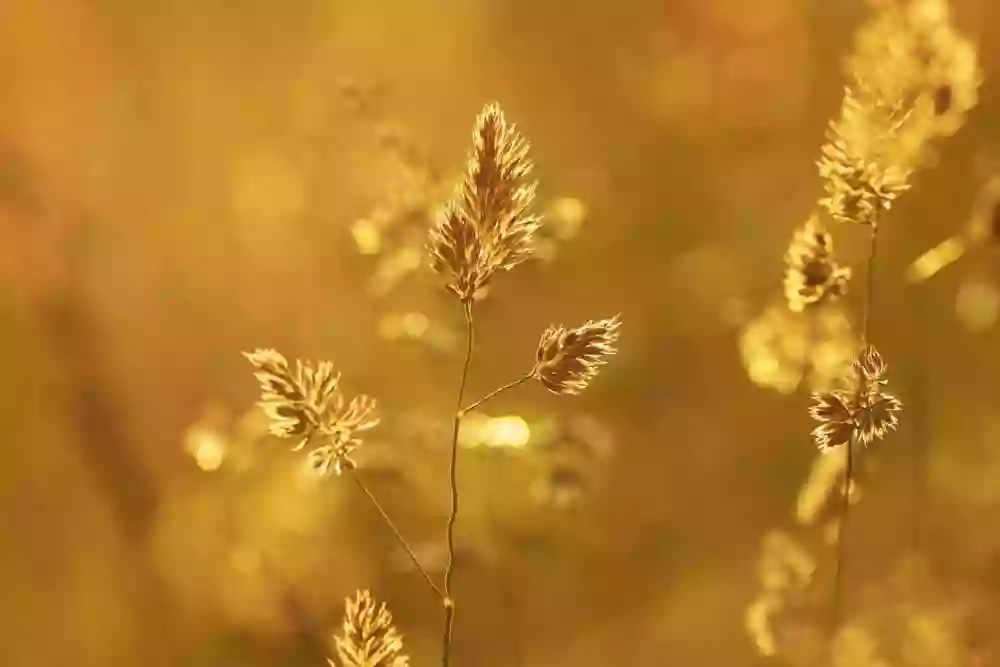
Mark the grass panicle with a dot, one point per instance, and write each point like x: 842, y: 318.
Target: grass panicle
x: 812, y: 273
x: 369, y: 638
x: 488, y: 225
x: 568, y: 359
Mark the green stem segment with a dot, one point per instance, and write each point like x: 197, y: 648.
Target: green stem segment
x: 399, y: 536
x: 849, y: 454
x: 449, y: 602
x: 496, y: 392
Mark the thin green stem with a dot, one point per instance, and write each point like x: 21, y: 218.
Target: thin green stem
x: 399, y: 536
x: 850, y: 446
x: 496, y: 392
x: 449, y: 602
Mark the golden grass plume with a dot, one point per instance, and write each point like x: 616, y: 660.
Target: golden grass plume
x: 812, y: 274
x: 863, y: 414
x: 370, y: 638
x: 307, y: 402
x: 488, y: 225
x: 568, y: 359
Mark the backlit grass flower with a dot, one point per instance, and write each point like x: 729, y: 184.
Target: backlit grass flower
x: 859, y: 174
x: 370, y: 639
x: 568, y: 359
x: 862, y: 414
x: 488, y: 225
x: 307, y: 403
x: 812, y: 274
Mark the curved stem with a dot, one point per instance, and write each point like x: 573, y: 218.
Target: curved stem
x: 399, y: 536
x: 449, y: 602
x: 496, y: 392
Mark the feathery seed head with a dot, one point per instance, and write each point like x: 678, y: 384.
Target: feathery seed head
x: 370, y: 639
x: 863, y: 414
x: 812, y: 275
x: 487, y: 226
x: 860, y: 177
x: 308, y: 402
x: 568, y: 359
x: 910, y: 60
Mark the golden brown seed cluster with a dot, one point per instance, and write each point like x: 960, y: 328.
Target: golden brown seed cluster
x: 370, y: 639
x: 568, y: 359
x: 861, y: 414
x: 488, y: 226
x: 812, y: 274
x: 308, y: 403
x: 857, y: 166
x: 913, y: 79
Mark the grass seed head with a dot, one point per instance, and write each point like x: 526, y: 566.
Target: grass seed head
x: 308, y: 403
x: 568, y: 359
x: 862, y: 414
x: 812, y: 275
x: 369, y: 637
x: 488, y: 225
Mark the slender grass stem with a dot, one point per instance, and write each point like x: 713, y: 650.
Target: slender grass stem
x: 496, y: 392
x: 849, y: 464
x: 399, y: 536
x: 449, y: 602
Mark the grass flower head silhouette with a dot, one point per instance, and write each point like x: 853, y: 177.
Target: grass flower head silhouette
x: 568, y: 359
x: 861, y: 415
x: 307, y: 403
x: 370, y: 639
x: 856, y: 164
x: 812, y: 274
x: 488, y: 226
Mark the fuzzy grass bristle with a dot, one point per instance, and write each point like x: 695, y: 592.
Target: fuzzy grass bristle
x: 861, y: 415
x: 812, y: 274
x: 308, y: 403
x: 567, y: 360
x: 488, y: 225
x: 370, y: 638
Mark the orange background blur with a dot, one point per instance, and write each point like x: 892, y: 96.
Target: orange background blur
x: 181, y: 181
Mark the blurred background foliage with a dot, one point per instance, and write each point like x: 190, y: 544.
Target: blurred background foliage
x: 180, y: 181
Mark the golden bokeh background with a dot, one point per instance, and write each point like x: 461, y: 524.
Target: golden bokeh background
x: 182, y: 181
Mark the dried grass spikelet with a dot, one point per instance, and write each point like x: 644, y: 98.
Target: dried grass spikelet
x: 812, y: 275
x: 910, y: 58
x: 568, y: 359
x: 860, y: 177
x: 370, y: 639
x: 912, y: 79
x: 487, y: 226
x: 307, y: 403
x: 862, y: 414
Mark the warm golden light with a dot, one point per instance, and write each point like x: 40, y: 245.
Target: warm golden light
x: 508, y: 431
x: 207, y: 446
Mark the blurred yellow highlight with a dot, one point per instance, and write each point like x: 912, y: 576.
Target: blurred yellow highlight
x: 508, y: 431
x: 207, y: 446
